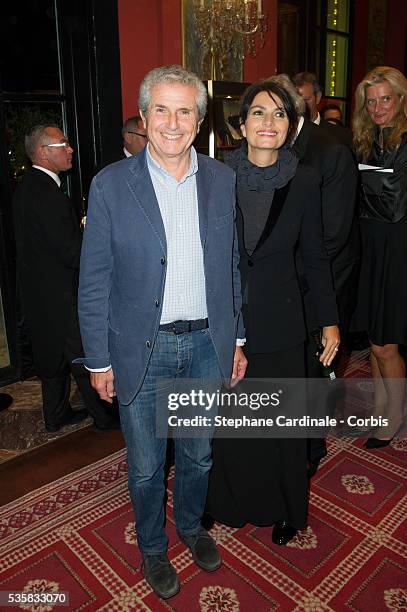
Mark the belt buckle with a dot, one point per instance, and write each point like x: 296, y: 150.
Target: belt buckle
x: 181, y: 327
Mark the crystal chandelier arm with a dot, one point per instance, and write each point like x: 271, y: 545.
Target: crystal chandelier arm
x: 247, y: 32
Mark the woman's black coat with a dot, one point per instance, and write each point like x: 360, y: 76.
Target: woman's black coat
x: 272, y: 298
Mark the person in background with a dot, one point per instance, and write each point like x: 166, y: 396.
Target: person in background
x: 331, y: 117
x: 263, y: 481
x: 311, y: 92
x: 380, y: 138
x: 332, y: 114
x: 134, y: 136
x: 48, y: 242
x: 159, y: 298
x: 336, y: 169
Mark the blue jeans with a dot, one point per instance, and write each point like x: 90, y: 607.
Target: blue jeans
x: 175, y: 356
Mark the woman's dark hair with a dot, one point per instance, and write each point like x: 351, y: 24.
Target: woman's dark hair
x: 273, y: 89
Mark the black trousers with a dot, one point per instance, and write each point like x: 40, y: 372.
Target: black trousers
x: 56, y: 390
x: 23, y: 341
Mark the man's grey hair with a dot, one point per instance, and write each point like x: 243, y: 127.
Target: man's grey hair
x: 301, y: 78
x: 172, y: 74
x: 131, y: 123
x: 284, y: 81
x: 36, y: 137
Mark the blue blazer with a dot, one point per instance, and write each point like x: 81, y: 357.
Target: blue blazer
x: 124, y: 261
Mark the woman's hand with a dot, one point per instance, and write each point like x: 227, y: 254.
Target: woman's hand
x: 331, y: 339
x: 239, y: 366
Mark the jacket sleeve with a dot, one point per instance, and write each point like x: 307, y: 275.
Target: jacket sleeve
x: 384, y: 194
x: 95, y: 280
x: 237, y: 293
x: 316, y: 264
x: 338, y: 192
x: 394, y: 192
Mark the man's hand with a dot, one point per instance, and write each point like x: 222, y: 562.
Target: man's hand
x: 239, y: 366
x: 102, y: 382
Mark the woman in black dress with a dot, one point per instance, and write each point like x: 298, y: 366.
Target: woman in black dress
x: 380, y: 137
x: 264, y: 481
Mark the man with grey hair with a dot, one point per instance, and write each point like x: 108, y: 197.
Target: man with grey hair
x: 134, y: 136
x: 159, y: 298
x: 48, y: 245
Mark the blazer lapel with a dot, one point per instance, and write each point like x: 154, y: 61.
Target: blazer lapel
x: 301, y: 142
x: 204, y: 178
x: 279, y: 198
x: 140, y: 184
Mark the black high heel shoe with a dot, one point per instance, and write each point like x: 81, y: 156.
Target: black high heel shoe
x: 283, y: 533
x: 377, y: 443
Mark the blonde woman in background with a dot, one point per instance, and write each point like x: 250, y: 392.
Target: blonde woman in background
x: 380, y: 140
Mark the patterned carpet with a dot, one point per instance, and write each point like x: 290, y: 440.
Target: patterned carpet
x: 77, y: 536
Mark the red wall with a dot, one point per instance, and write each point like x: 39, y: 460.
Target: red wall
x: 150, y: 36
x: 396, y: 30
x: 360, y: 35
x: 395, y: 42
x: 265, y: 64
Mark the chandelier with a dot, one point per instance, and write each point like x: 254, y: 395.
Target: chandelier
x: 233, y: 28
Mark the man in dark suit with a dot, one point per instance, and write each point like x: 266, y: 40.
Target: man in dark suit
x: 337, y: 172
x: 134, y: 136
x: 332, y: 113
x: 311, y: 92
x: 336, y: 169
x: 331, y: 118
x: 330, y: 157
x: 48, y: 245
x: 134, y: 140
x: 160, y: 297
x: 333, y: 161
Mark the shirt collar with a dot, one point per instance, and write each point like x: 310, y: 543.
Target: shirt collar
x: 299, y: 127
x: 155, y: 166
x: 51, y: 174
x: 127, y: 154
x: 317, y: 120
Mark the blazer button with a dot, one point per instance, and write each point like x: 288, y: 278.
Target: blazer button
x: 148, y: 344
x: 162, y: 261
x: 157, y: 303
x: 250, y: 263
